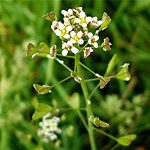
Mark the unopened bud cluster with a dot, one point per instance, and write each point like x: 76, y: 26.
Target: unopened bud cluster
x: 78, y: 31
x: 49, y: 128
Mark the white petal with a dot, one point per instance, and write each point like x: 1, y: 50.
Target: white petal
x: 69, y: 43
x: 84, y: 25
x: 79, y: 34
x: 72, y: 40
x: 91, y: 50
x: 66, y: 19
x: 70, y: 11
x: 77, y: 20
x: 66, y: 36
x: 74, y: 50
x: 96, y: 37
x: 97, y: 31
x: 88, y: 19
x: 64, y: 12
x: 64, y: 52
x: 89, y: 41
x: 80, y: 41
x: 90, y: 35
x: 95, y: 44
x: 54, y: 22
x: 52, y: 27
x: 94, y: 18
x: 72, y: 33
x: 82, y: 14
x: 69, y: 28
x: 57, y: 32
x: 64, y: 45
x: 61, y: 26
x: 99, y: 22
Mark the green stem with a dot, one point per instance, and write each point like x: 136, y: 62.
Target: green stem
x: 106, y: 134
x: 83, y: 120
x: 97, y: 86
x: 62, y: 63
x: 86, y: 96
x: 87, y: 68
x: 94, y: 79
x: 65, y: 56
x: 60, y: 82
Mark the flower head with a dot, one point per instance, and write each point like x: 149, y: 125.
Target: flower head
x: 49, y: 128
x: 76, y: 29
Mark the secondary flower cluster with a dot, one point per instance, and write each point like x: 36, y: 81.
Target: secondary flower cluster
x: 78, y: 30
x: 49, y: 128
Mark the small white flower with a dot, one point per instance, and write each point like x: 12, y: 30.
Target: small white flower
x: 67, y: 15
x: 53, y: 136
x: 54, y: 25
x: 95, y: 22
x: 93, y: 39
x: 68, y: 46
x: 106, y: 44
x: 87, y: 51
x: 77, y: 37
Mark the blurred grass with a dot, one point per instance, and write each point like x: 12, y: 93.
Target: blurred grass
x: 21, y: 22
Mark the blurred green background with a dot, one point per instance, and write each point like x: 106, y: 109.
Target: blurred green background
x: 125, y: 105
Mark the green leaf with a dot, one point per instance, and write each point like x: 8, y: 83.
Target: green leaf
x: 104, y: 81
x: 41, y: 109
x: 43, y: 48
x: 123, y: 74
x: 111, y: 65
x: 50, y: 16
x: 126, y: 140
x: 105, y: 21
x: 42, y: 89
x: 31, y: 50
x: 97, y: 122
x: 38, y: 115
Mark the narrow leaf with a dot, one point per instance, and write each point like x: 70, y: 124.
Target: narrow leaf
x: 104, y: 81
x: 50, y: 16
x: 42, y: 89
x: 126, y: 140
x: 111, y: 65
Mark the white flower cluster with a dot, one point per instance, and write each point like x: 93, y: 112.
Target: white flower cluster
x: 74, y: 31
x: 49, y: 128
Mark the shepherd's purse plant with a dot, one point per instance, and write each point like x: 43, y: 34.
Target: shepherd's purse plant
x: 79, y: 35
